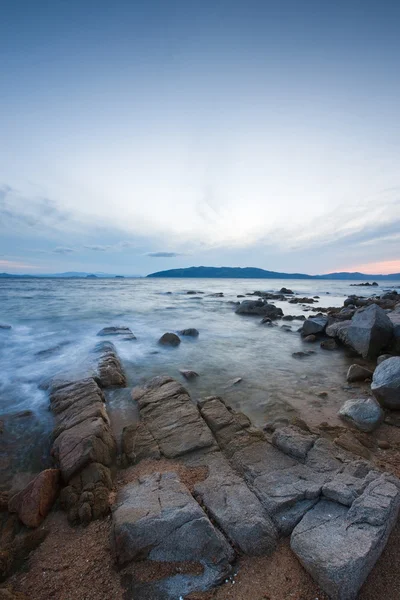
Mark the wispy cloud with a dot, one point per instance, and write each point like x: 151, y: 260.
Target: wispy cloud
x: 99, y: 248
x: 63, y: 250
x: 163, y: 254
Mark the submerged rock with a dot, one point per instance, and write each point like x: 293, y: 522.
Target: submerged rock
x: 364, y: 414
x: 188, y: 374
x: 370, y: 331
x: 123, y: 331
x: 329, y: 345
x: 5, y: 326
x: 169, y: 339
x: 386, y: 383
x: 191, y: 332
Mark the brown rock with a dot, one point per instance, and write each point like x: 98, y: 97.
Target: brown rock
x: 351, y: 444
x: 383, y: 444
x: 34, y: 502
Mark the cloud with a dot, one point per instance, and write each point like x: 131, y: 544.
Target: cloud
x: 163, y: 254
x: 63, y: 250
x: 99, y: 248
x: 12, y: 264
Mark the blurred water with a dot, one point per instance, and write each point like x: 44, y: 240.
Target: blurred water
x: 55, y: 322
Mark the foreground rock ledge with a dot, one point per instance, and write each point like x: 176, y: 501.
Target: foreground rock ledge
x: 83, y: 447
x: 338, y: 510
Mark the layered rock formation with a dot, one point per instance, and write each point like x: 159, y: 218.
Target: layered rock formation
x: 334, y: 506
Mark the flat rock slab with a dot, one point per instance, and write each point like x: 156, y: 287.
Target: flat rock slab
x: 157, y: 519
x: 237, y: 511
x: 339, y: 546
x: 172, y: 418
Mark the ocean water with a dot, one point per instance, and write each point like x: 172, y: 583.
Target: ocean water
x: 55, y: 324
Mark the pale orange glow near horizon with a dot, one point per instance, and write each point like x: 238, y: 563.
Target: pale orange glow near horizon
x: 383, y: 267
x: 12, y: 264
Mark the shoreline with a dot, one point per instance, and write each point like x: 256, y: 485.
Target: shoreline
x: 91, y: 414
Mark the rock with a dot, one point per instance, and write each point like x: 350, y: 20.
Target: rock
x: 123, y: 331
x: 171, y: 417
x: 386, y: 383
x: 169, y: 339
x: 138, y: 443
x: 358, y: 373
x: 288, y: 318
x: 364, y: 414
x: 303, y: 354
x: 236, y: 510
x: 302, y: 301
x: 314, y: 326
x: 329, y: 345
x: 259, y: 307
x: 285, y: 291
x: 192, y: 332
x: 5, y: 326
x: 383, y: 444
x: 85, y: 513
x: 310, y: 339
x: 322, y: 394
x: 82, y: 433
x: 339, y: 330
x: 188, y: 374
x: 293, y: 441
x: 339, y: 546
x: 109, y: 368
x: 351, y: 444
x: 34, y: 502
x: 370, y: 331
x: 156, y: 518
x: 383, y: 357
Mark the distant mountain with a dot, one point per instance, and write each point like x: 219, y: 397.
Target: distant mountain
x: 254, y: 273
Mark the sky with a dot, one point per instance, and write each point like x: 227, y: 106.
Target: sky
x: 144, y: 135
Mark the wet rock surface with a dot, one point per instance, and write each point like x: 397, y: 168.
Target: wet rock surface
x: 83, y: 447
x: 260, y: 308
x: 110, y: 372
x: 169, y: 339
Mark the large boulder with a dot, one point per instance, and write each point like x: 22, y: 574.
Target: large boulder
x: 386, y: 383
x: 259, y: 308
x: 33, y: 503
x: 339, y: 546
x: 157, y: 519
x: 365, y: 414
x: 370, y: 331
x: 314, y: 326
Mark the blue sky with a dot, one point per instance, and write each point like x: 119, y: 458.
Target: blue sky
x: 146, y: 135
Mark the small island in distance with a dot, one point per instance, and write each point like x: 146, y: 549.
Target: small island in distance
x: 255, y: 273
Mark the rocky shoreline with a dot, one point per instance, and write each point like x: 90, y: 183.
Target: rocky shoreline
x: 197, y: 488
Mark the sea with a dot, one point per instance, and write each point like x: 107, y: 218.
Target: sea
x: 54, y: 327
